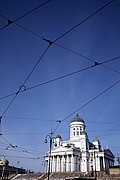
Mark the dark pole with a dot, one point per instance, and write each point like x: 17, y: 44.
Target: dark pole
x: 49, y: 157
x: 49, y: 165
x: 95, y: 163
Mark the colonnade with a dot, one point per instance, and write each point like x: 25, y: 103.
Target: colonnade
x: 63, y: 163
x: 75, y: 163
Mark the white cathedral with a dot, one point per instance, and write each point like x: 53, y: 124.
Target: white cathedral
x: 78, y: 154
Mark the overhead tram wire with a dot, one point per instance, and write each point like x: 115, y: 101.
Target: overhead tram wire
x: 15, y: 95
x: 65, y: 132
x: 84, y: 105
x: 82, y: 21
x: 74, y: 27
x: 87, y: 58
x: 80, y: 107
x: 53, y: 42
x: 10, y: 144
x: 11, y: 22
x: 30, y: 118
x: 9, y: 95
x: 70, y: 74
x: 37, y: 63
x: 17, y: 148
x: 51, y: 120
x: 24, y: 157
x: 23, y: 87
x: 61, y: 77
x: 24, y: 150
x: 97, y: 96
x: 109, y: 130
x: 8, y: 108
x: 50, y: 42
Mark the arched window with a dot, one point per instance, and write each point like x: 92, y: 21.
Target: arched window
x: 74, y: 131
x: 77, y: 131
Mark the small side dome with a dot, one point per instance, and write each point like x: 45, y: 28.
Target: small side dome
x: 58, y: 136
x: 96, y: 140
x: 77, y: 119
x: 83, y: 132
x: 4, y: 162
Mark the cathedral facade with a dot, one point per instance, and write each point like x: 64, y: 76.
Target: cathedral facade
x: 78, y: 154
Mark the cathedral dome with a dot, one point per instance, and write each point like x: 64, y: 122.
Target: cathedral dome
x: 77, y: 119
x: 58, y: 136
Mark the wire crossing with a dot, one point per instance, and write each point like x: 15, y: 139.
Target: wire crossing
x: 11, y: 22
x: 62, y: 77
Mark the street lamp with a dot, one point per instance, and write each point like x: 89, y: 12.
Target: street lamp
x: 45, y: 141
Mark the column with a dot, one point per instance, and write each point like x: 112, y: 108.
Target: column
x: 103, y: 163
x: 97, y: 163
x: 46, y: 166
x: 51, y: 167
x: 75, y: 163
x: 65, y: 159
x: 67, y: 164
x: 72, y: 163
x: 60, y: 162
x: 63, y: 164
x: 78, y: 163
x: 53, y: 164
x: 57, y: 169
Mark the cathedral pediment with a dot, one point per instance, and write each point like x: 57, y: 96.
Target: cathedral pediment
x: 61, y: 149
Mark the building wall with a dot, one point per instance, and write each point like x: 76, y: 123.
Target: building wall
x: 114, y: 171
x: 72, y: 159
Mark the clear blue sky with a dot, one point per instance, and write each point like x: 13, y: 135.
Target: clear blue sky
x: 34, y: 112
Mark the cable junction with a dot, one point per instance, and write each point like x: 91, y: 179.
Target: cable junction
x: 61, y: 77
x: 13, y: 21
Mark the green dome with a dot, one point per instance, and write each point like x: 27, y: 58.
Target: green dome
x: 77, y: 119
x: 96, y: 140
x: 58, y: 136
x: 83, y: 132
